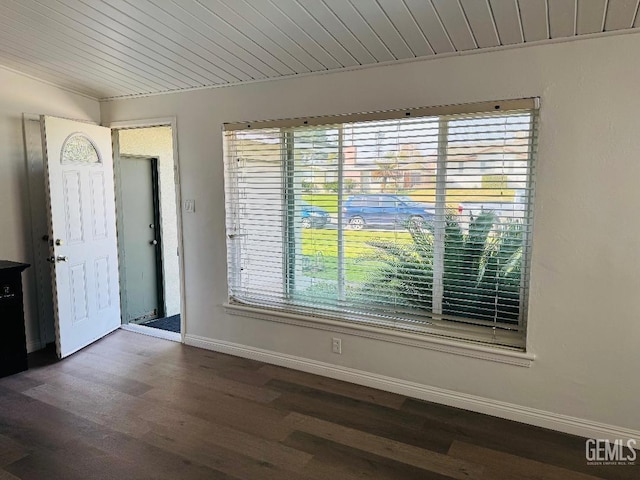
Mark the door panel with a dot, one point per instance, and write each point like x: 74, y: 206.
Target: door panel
x: 99, y: 206
x: 78, y: 289
x: 82, y: 231
x: 72, y: 201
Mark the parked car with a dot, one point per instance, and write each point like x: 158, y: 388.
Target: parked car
x: 384, y: 210
x: 313, y: 216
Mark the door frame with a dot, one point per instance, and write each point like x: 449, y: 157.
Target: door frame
x: 148, y: 123
x: 157, y: 220
x: 43, y: 294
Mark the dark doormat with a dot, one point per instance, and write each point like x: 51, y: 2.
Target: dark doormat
x: 170, y: 324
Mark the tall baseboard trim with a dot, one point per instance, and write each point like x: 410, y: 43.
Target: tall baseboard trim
x: 541, y: 418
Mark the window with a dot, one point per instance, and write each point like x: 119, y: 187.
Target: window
x: 78, y: 148
x: 446, y: 253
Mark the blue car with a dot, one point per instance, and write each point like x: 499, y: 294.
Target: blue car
x: 312, y: 216
x: 385, y: 210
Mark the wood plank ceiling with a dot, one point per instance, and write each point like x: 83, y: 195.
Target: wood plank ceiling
x: 115, y: 48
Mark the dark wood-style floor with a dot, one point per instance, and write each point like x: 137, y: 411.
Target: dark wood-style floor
x: 136, y: 407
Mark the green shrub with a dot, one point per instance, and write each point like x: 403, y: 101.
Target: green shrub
x: 482, y: 269
x: 307, y: 186
x: 331, y: 186
x: 348, y: 185
x: 406, y: 272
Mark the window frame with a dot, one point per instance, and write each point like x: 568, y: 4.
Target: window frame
x: 442, y: 328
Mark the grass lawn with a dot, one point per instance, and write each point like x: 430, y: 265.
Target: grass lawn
x: 321, y: 247
x: 328, y: 201
x: 455, y: 196
x: 355, y: 241
x: 356, y: 271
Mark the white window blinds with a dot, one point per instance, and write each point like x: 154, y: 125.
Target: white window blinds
x: 416, y: 220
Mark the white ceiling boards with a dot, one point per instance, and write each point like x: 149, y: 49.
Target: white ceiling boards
x: 114, y: 48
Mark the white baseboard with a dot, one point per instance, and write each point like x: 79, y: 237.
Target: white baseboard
x: 554, y: 421
x: 152, y: 332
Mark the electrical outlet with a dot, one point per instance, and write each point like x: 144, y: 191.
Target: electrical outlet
x: 336, y: 345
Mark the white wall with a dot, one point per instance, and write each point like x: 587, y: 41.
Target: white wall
x: 20, y: 94
x: 158, y: 142
x: 584, y: 316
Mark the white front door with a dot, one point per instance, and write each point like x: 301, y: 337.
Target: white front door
x: 82, y: 232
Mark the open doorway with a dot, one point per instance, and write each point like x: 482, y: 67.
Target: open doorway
x: 147, y: 218
x: 71, y: 173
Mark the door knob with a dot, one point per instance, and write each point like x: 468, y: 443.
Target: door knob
x: 153, y: 242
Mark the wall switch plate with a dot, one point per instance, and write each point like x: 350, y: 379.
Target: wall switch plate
x: 190, y: 206
x: 336, y: 345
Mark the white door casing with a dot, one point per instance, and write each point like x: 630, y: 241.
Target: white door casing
x: 82, y: 231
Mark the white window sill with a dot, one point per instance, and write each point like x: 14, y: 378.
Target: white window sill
x: 430, y: 342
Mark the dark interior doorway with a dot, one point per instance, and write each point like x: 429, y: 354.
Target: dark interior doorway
x: 148, y: 207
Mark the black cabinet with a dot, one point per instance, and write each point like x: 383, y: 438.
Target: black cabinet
x: 13, y: 344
